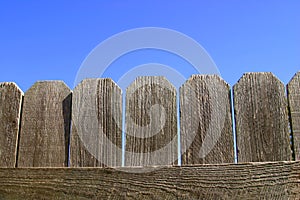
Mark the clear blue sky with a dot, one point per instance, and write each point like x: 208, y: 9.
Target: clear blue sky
x: 48, y: 40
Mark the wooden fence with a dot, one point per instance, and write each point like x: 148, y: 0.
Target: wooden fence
x: 61, y: 144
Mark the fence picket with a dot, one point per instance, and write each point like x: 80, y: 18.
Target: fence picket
x: 10, y: 110
x: 261, y: 119
x: 205, y: 121
x: 293, y: 90
x: 45, y: 126
x: 96, y: 138
x: 151, y: 122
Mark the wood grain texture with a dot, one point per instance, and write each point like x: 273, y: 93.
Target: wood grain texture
x: 151, y: 122
x: 96, y: 138
x: 279, y: 180
x: 293, y: 90
x: 10, y: 113
x: 205, y: 121
x: 45, y: 126
x: 261, y: 119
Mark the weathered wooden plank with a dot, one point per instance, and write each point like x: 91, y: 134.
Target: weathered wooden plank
x: 96, y: 138
x: 261, y: 119
x: 293, y: 90
x: 206, y: 121
x: 10, y: 113
x: 45, y: 125
x: 151, y: 122
x: 279, y: 180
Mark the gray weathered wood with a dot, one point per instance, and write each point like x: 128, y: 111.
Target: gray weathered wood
x: 45, y: 126
x: 151, y: 122
x: 293, y: 90
x: 206, y: 121
x: 96, y: 138
x: 279, y: 180
x: 261, y: 119
x: 10, y: 110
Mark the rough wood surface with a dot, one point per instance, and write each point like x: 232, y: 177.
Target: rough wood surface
x: 151, y: 122
x: 10, y: 110
x: 206, y: 121
x: 293, y: 90
x: 280, y: 180
x: 96, y: 138
x: 261, y: 119
x: 45, y: 126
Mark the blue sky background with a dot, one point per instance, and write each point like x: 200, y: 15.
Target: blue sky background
x: 48, y: 40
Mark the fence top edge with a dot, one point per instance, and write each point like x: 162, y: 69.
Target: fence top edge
x: 96, y: 80
x: 45, y: 82
x: 294, y: 78
x: 150, y: 78
x: 245, y: 75
x: 256, y: 74
x: 12, y: 84
x: 205, y: 76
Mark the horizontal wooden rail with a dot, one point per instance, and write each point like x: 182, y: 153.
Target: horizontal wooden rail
x: 273, y: 180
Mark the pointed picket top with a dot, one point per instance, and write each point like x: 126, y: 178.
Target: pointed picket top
x: 11, y: 85
x: 210, y: 77
x: 96, y: 139
x: 205, y: 121
x: 261, y: 118
x: 45, y: 123
x: 296, y: 78
x: 293, y: 91
x: 10, y: 114
x: 48, y: 84
x: 141, y: 81
x: 260, y: 76
x: 151, y: 122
